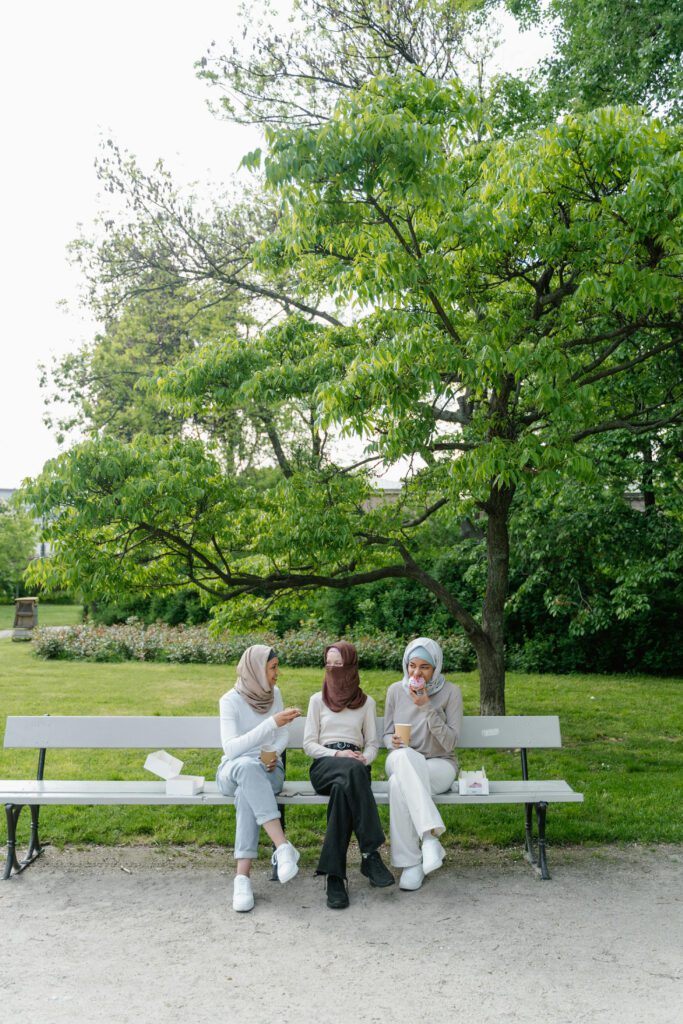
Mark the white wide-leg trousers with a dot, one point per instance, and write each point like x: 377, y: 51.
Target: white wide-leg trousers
x: 413, y: 779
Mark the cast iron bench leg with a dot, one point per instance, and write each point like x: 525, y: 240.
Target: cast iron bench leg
x: 529, y: 833
x: 541, y: 809
x: 34, y: 849
x: 537, y: 861
x: 12, y: 864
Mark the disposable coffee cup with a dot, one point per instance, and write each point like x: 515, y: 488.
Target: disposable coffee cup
x: 268, y: 756
x: 403, y: 732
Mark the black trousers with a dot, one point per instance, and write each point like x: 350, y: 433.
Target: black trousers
x: 351, y: 808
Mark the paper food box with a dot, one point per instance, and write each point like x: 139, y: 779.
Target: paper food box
x: 185, y: 785
x: 473, y: 783
x: 167, y: 767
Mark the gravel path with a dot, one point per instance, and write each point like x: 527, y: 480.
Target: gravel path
x: 148, y: 936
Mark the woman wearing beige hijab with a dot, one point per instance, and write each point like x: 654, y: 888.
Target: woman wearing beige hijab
x: 252, y: 716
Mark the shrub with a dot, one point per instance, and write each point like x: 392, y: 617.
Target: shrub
x: 298, y: 648
x: 183, y: 606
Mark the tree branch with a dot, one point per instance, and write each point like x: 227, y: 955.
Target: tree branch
x: 628, y: 364
x: 409, y: 524
x: 633, y: 428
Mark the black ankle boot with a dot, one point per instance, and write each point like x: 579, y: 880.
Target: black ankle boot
x: 337, y: 892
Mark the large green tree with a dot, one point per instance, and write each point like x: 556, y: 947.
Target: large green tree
x: 498, y: 307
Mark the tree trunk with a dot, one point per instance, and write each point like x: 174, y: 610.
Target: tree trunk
x: 491, y: 654
x: 648, y: 478
x: 491, y: 664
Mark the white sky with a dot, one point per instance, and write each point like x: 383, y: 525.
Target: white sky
x: 71, y: 73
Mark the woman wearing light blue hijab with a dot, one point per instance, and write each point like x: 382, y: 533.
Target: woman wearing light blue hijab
x: 427, y: 765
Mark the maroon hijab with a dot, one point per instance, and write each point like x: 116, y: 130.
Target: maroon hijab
x: 341, y: 688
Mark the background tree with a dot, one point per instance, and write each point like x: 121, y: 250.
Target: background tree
x: 18, y: 536
x: 295, y: 77
x: 107, y: 387
x: 615, y: 51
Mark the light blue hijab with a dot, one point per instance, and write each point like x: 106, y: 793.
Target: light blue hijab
x: 435, y: 656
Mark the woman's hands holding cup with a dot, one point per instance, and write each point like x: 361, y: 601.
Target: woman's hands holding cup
x: 286, y: 716
x: 401, y: 737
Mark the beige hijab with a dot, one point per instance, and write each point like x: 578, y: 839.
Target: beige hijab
x: 251, y: 683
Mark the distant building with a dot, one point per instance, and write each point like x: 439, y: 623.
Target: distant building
x: 387, y: 492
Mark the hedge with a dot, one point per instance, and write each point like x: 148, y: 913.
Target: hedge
x: 186, y: 644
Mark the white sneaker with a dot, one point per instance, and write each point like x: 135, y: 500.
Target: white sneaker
x: 285, y: 858
x: 412, y: 878
x: 432, y: 854
x: 242, y: 894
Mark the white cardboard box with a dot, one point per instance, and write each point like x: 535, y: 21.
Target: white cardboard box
x: 185, y: 785
x: 167, y: 767
x: 475, y: 783
x: 163, y: 764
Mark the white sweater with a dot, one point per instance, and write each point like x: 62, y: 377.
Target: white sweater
x: 357, y: 726
x: 244, y: 731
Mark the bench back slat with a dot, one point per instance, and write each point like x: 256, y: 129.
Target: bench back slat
x: 203, y: 732
x: 102, y: 731
x: 484, y: 732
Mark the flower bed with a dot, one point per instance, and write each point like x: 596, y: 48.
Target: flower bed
x: 185, y: 644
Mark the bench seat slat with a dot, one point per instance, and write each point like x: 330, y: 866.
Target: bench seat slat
x: 105, y: 792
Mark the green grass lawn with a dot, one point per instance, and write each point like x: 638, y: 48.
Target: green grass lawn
x: 622, y: 749
x: 48, y: 615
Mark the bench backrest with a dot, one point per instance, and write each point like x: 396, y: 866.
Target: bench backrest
x: 196, y: 733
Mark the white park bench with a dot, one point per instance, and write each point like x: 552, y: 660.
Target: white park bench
x: 48, y: 732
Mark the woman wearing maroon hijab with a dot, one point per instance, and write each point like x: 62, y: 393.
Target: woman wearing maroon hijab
x: 341, y: 736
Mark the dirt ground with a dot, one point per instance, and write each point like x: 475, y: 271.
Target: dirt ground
x: 148, y: 935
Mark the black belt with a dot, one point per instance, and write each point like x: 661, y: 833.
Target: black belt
x: 340, y: 745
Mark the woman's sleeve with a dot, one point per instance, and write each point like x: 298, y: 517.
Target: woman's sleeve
x: 312, y: 745
x: 370, y: 739
x: 234, y: 744
x: 446, y: 725
x: 389, y: 719
x: 281, y: 732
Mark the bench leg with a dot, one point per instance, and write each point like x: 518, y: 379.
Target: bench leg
x: 529, y: 832
x: 34, y: 849
x: 537, y: 861
x: 541, y: 809
x: 12, y: 864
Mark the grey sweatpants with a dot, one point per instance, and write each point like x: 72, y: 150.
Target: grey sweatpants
x: 254, y: 790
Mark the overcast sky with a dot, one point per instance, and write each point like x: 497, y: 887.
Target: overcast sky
x: 71, y: 73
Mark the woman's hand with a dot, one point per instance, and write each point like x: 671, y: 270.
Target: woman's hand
x: 286, y: 716
x: 396, y: 741
x: 419, y: 700
x: 355, y: 754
